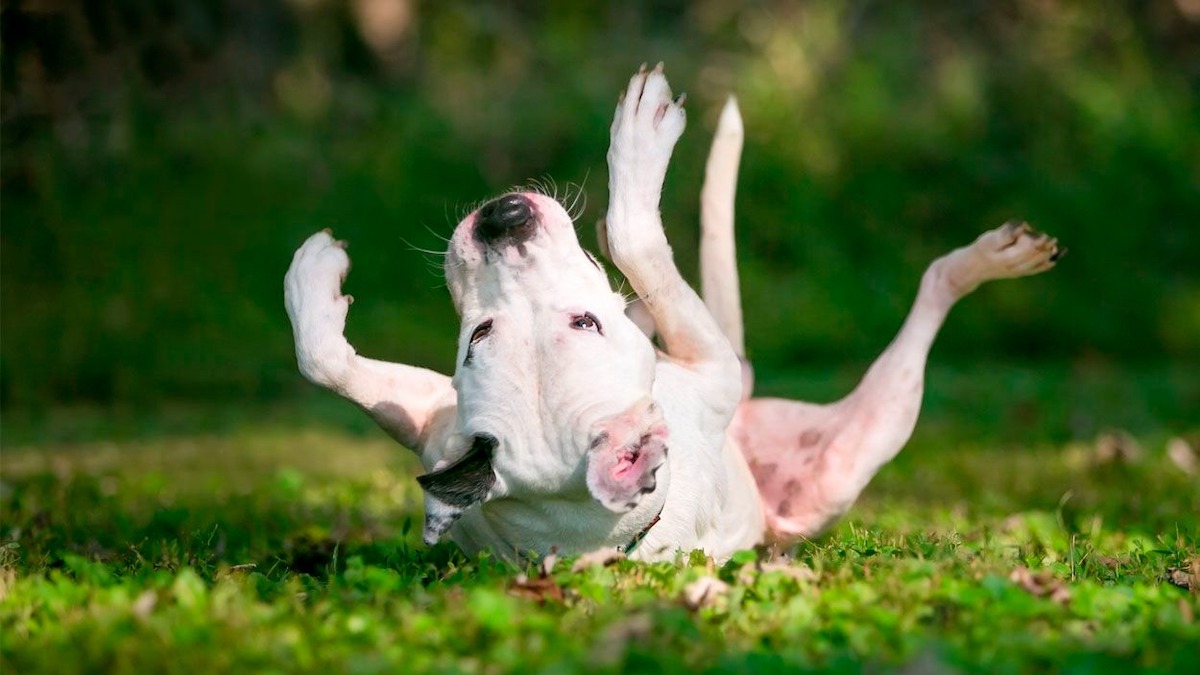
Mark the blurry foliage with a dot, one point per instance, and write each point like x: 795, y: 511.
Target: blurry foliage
x: 161, y: 161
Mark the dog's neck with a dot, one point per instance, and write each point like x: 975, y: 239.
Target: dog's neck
x: 570, y: 525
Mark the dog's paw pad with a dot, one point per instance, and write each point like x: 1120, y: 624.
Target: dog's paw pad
x: 1012, y: 250
x: 1015, y: 249
x: 625, y: 456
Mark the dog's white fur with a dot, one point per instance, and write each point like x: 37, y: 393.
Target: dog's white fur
x: 564, y: 428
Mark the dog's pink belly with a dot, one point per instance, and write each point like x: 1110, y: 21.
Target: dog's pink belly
x: 785, y: 444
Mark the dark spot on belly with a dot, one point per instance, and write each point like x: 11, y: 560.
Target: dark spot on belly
x: 792, y: 488
x: 785, y: 508
x: 763, y: 472
x: 810, y: 438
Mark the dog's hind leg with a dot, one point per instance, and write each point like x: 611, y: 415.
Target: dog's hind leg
x: 406, y: 401
x: 812, y: 461
x: 718, y: 250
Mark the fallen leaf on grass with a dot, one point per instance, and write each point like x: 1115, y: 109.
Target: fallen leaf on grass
x: 540, y: 589
x: 797, y: 571
x: 703, y: 592
x: 599, y: 558
x: 1182, y: 455
x: 1117, y: 447
x: 237, y: 570
x: 543, y: 587
x: 1109, y: 561
x: 145, y: 603
x: 1041, y: 584
x: 1188, y: 579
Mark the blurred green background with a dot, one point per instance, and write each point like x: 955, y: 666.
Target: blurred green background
x: 162, y: 159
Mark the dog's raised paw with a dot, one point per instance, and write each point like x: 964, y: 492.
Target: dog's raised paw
x: 317, y: 271
x: 1012, y: 250
x: 315, y: 304
x: 648, y: 122
x: 624, y: 457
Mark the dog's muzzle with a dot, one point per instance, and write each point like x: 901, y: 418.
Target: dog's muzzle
x: 505, y: 220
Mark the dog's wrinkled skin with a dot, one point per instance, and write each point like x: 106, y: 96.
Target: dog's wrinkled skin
x: 563, y: 427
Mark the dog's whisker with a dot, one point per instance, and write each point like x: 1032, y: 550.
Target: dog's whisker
x: 543, y: 186
x: 577, y: 198
x: 432, y: 231
x: 451, y: 212
x: 465, y: 210
x: 414, y: 247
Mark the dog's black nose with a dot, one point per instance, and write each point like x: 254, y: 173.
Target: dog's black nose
x: 508, y: 217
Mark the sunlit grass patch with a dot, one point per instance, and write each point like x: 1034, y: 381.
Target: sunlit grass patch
x: 281, y: 545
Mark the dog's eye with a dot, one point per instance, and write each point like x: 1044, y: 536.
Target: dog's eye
x: 586, y: 321
x: 481, y: 331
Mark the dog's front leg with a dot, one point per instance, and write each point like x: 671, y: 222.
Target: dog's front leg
x: 405, y: 401
x: 645, y: 128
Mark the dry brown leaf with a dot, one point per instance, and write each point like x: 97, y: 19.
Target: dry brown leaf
x: 1108, y: 561
x: 797, y: 571
x: 599, y: 558
x: 1041, y: 584
x: 1117, y: 447
x: 1182, y: 455
x: 1188, y: 579
x: 540, y: 589
x: 145, y: 603
x: 1060, y: 595
x: 703, y: 592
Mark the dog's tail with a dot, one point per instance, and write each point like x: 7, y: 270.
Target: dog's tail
x: 718, y: 253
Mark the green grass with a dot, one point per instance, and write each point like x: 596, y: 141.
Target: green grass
x: 285, y: 538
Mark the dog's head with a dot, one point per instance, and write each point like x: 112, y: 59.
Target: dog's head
x: 548, y: 365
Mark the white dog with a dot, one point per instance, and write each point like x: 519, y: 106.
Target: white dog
x: 564, y: 427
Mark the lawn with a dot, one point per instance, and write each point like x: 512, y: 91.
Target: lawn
x: 285, y: 538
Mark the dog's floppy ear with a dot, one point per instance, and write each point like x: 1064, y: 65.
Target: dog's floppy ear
x: 451, y: 490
